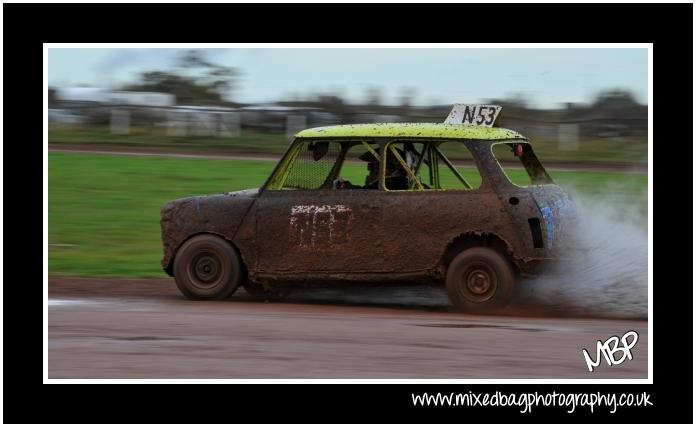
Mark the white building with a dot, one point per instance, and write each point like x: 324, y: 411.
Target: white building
x: 105, y: 96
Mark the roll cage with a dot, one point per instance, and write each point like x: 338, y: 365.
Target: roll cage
x: 430, y: 155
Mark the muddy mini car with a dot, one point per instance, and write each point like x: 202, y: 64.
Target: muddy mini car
x: 398, y: 203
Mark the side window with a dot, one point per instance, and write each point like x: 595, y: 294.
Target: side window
x: 405, y: 166
x: 457, y: 169
x: 360, y: 169
x: 312, y: 166
x: 520, y: 164
x: 424, y: 165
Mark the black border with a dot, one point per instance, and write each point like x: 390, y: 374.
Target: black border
x: 27, y: 26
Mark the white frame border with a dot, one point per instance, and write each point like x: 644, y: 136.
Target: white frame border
x: 648, y: 46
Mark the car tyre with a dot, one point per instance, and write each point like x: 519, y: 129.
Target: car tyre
x: 207, y: 267
x: 480, y: 279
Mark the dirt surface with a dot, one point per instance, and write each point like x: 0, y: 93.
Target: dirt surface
x: 229, y: 154
x: 121, y: 328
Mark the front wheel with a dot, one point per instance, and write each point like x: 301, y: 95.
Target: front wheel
x: 480, y: 279
x: 207, y: 267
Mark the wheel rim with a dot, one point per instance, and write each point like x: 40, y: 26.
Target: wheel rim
x: 478, y: 282
x: 205, y: 270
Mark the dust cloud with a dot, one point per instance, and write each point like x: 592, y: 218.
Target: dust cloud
x: 606, y: 272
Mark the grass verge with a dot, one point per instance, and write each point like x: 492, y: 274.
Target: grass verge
x: 103, y: 210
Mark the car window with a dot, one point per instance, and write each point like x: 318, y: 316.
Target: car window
x: 329, y: 164
x: 360, y: 170
x: 311, y: 167
x: 520, y: 164
x: 423, y: 166
x: 456, y: 163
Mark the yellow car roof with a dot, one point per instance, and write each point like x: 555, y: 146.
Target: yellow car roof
x: 411, y: 130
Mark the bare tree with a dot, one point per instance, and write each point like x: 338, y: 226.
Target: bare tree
x: 195, y: 80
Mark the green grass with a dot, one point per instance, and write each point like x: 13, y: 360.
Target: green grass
x: 249, y: 142
x: 103, y: 211
x: 634, y: 150
x: 109, y: 207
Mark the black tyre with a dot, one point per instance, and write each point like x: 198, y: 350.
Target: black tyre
x: 480, y: 279
x: 207, y: 267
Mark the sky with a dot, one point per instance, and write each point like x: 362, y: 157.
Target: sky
x: 545, y: 77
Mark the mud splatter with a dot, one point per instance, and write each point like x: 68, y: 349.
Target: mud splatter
x: 607, y: 275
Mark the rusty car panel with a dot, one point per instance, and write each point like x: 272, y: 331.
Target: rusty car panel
x: 320, y: 231
x: 219, y: 214
x: 323, y: 233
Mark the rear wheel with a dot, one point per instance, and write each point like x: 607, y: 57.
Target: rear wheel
x: 207, y: 267
x: 480, y: 279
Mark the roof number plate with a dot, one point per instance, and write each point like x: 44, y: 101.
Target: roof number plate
x: 473, y: 114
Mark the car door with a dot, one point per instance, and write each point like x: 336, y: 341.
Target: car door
x: 322, y: 231
x: 420, y: 222
x: 319, y: 231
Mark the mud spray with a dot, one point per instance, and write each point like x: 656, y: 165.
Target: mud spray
x: 607, y: 274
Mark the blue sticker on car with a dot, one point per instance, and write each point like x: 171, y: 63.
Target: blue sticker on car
x: 547, y: 213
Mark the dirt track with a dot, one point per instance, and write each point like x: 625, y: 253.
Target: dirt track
x: 119, y: 328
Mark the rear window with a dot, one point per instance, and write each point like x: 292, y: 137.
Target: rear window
x: 520, y: 164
